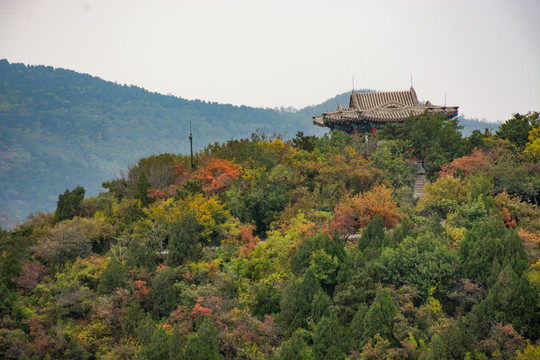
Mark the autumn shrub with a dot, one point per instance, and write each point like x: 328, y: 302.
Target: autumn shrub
x: 356, y: 212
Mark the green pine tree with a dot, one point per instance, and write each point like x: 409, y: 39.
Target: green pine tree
x: 296, y: 302
x: 320, y: 306
x: 141, y: 189
x: 69, y: 204
x: 176, y: 348
x: 380, y: 316
x: 133, y: 315
x: 112, y: 277
x: 294, y: 349
x: 328, y: 339
x: 373, y: 237
x: 355, y: 332
x: 203, y: 345
x: 184, y: 239
x: 158, y: 347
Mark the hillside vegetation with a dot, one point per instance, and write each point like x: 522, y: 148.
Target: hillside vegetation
x: 308, y: 248
x: 60, y: 129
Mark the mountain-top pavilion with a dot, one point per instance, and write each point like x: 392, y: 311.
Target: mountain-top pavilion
x: 368, y: 112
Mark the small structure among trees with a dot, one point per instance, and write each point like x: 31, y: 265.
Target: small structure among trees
x: 368, y: 112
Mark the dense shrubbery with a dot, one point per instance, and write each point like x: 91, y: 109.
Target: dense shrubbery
x: 312, y: 248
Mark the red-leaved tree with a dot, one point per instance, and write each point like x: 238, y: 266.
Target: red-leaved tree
x: 477, y: 162
x: 217, y: 174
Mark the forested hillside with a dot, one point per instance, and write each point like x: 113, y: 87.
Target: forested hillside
x: 60, y: 129
x: 308, y: 248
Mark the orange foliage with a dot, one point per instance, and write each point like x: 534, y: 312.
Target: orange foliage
x: 526, y: 215
x: 345, y: 218
x: 507, y: 218
x: 474, y: 163
x: 248, y: 239
x: 217, y: 174
x: 201, y: 310
x: 141, y: 291
x: 180, y: 174
x: 156, y: 193
x: 198, y: 309
x: 529, y: 236
x: 357, y: 211
x: 160, y: 267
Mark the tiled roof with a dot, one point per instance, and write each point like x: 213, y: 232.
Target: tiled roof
x: 383, y: 107
x: 365, y: 101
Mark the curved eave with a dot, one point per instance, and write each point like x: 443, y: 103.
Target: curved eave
x: 381, y: 115
x: 319, y: 121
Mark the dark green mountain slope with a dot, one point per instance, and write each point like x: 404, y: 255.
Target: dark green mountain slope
x: 60, y: 129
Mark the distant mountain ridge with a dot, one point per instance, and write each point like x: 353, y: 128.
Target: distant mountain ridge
x: 60, y: 129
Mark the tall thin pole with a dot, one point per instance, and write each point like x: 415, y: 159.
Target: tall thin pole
x: 191, y: 146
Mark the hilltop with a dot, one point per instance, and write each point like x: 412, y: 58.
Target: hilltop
x: 60, y: 129
x: 310, y: 248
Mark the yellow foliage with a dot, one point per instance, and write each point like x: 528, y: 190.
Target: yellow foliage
x: 168, y: 328
x: 534, y: 274
x: 434, y: 304
x: 532, y: 148
x: 83, y: 272
x: 205, y: 269
x: 531, y: 352
x: 277, y: 147
x: 534, y: 134
x: 91, y: 333
x: 456, y: 234
x: 444, y: 194
x: 277, y: 144
x: 209, y: 213
x: 100, y: 214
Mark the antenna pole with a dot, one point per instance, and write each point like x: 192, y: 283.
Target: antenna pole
x: 444, y: 99
x: 353, y: 83
x: 191, y: 146
x: 411, y: 80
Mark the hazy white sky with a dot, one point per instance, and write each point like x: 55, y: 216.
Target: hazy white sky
x: 484, y: 55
